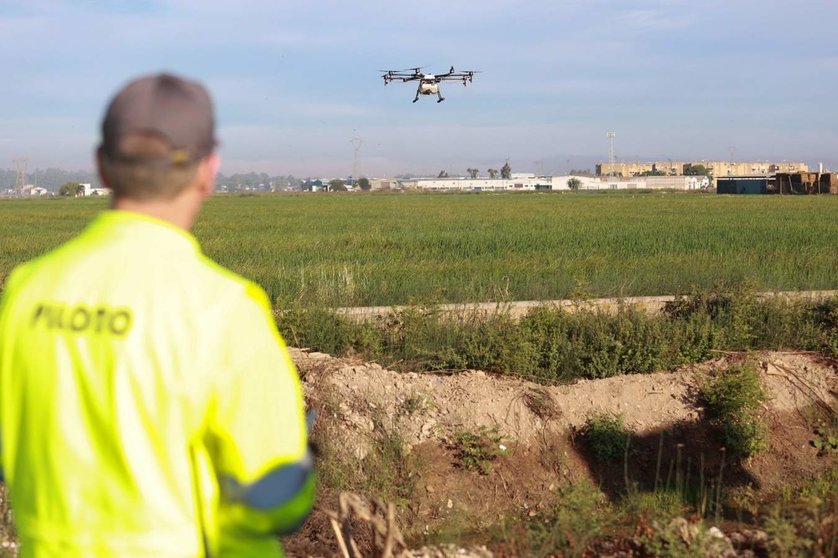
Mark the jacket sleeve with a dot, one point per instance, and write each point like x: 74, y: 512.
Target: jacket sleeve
x: 5, y: 337
x: 257, y: 433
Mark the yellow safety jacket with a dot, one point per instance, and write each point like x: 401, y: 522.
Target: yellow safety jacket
x: 148, y: 406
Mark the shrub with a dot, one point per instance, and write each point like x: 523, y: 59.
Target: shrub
x: 606, y: 437
x: 476, y: 449
x: 732, y: 401
x: 551, y: 345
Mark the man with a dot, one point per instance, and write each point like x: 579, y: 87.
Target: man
x: 148, y: 406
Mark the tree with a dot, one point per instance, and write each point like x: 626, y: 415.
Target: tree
x: 695, y: 170
x: 71, y: 189
x: 337, y: 185
x: 364, y: 183
x: 574, y: 183
x: 580, y: 172
x: 472, y: 172
x: 442, y: 174
x: 493, y: 173
x: 506, y: 171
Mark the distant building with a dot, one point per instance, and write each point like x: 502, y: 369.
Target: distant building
x: 805, y: 183
x: 799, y: 183
x: 742, y: 185
x: 30, y: 190
x: 91, y: 191
x: 531, y: 182
x: 714, y: 168
x: 516, y: 182
x: 696, y: 183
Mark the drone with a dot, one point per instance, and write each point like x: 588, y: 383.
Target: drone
x: 428, y: 83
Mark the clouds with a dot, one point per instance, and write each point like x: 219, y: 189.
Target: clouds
x: 669, y: 75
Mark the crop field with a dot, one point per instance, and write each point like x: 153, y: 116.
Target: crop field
x: 382, y: 249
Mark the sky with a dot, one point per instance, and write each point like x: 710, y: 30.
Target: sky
x: 296, y: 84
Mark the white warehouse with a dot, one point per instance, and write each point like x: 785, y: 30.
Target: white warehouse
x: 516, y: 182
x: 529, y: 182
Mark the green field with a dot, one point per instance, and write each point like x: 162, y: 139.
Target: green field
x: 381, y: 249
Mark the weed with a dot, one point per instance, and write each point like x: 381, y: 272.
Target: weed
x: 412, y: 404
x: 661, y: 505
x: 606, y: 437
x: 476, y: 449
x: 391, y: 472
x: 826, y: 437
x: 579, y: 516
x: 804, y: 521
x: 387, y: 469
x: 681, y: 538
x: 733, y: 399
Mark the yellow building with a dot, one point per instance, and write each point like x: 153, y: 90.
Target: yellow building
x: 714, y: 168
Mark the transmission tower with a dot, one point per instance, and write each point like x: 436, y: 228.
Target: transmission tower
x: 356, y: 159
x: 20, y: 180
x: 611, y: 136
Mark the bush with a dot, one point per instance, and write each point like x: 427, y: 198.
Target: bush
x: 475, y: 450
x: 551, y: 345
x: 606, y: 437
x: 732, y: 402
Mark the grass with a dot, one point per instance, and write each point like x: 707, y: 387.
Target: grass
x: 354, y: 250
x: 578, y: 516
x: 313, y: 252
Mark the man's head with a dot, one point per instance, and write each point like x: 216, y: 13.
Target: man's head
x: 157, y: 133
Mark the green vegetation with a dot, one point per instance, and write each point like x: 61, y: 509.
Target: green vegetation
x: 607, y: 437
x: 578, y: 516
x: 386, y: 469
x: 476, y: 449
x: 70, y: 189
x: 733, y: 400
x: 382, y: 249
x: 803, y: 521
x: 826, y: 437
x: 551, y: 345
x: 315, y: 252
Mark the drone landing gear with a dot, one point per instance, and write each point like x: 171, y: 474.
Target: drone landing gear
x: 440, y: 99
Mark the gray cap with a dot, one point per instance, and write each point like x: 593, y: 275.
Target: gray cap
x: 172, y: 108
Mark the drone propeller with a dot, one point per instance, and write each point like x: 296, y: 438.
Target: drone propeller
x: 416, y: 69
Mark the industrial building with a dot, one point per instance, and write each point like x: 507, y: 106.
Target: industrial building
x: 799, y: 183
x: 530, y: 182
x: 714, y: 168
x: 516, y: 182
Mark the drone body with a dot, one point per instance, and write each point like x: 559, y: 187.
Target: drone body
x: 428, y: 83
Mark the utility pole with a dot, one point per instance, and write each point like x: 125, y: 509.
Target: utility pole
x: 20, y: 180
x: 611, y: 135
x: 356, y: 144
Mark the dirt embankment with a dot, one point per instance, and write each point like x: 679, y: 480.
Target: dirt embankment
x: 536, y: 426
x: 428, y: 406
